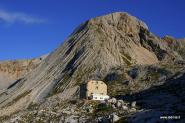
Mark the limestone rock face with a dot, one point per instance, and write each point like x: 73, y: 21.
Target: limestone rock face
x: 116, y: 40
x: 10, y: 71
x: 117, y: 35
x: 177, y: 45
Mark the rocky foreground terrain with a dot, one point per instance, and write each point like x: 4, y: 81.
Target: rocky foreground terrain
x: 145, y: 75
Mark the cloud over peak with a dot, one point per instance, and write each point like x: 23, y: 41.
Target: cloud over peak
x: 12, y: 17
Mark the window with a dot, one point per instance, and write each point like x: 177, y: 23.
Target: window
x: 96, y: 87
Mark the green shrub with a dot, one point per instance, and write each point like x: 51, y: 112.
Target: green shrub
x: 103, y: 107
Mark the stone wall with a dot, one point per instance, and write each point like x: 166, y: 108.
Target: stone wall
x: 96, y: 87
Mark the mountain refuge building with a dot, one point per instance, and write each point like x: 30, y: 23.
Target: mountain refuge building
x: 95, y: 90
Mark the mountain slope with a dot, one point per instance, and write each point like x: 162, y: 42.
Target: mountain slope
x: 11, y: 71
x: 164, y: 100
x: 116, y: 40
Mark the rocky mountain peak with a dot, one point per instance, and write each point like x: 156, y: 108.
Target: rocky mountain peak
x: 120, y: 20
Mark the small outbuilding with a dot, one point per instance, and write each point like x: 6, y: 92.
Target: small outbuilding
x: 99, y: 97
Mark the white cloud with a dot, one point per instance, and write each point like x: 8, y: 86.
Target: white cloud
x: 12, y: 17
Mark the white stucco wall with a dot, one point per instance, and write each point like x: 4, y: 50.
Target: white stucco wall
x: 99, y: 97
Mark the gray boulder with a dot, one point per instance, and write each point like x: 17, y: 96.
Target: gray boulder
x: 133, y: 104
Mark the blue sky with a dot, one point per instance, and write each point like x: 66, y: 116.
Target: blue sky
x: 30, y: 28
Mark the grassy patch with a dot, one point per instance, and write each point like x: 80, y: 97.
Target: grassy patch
x: 102, y: 110
x: 33, y: 106
x: 126, y: 58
